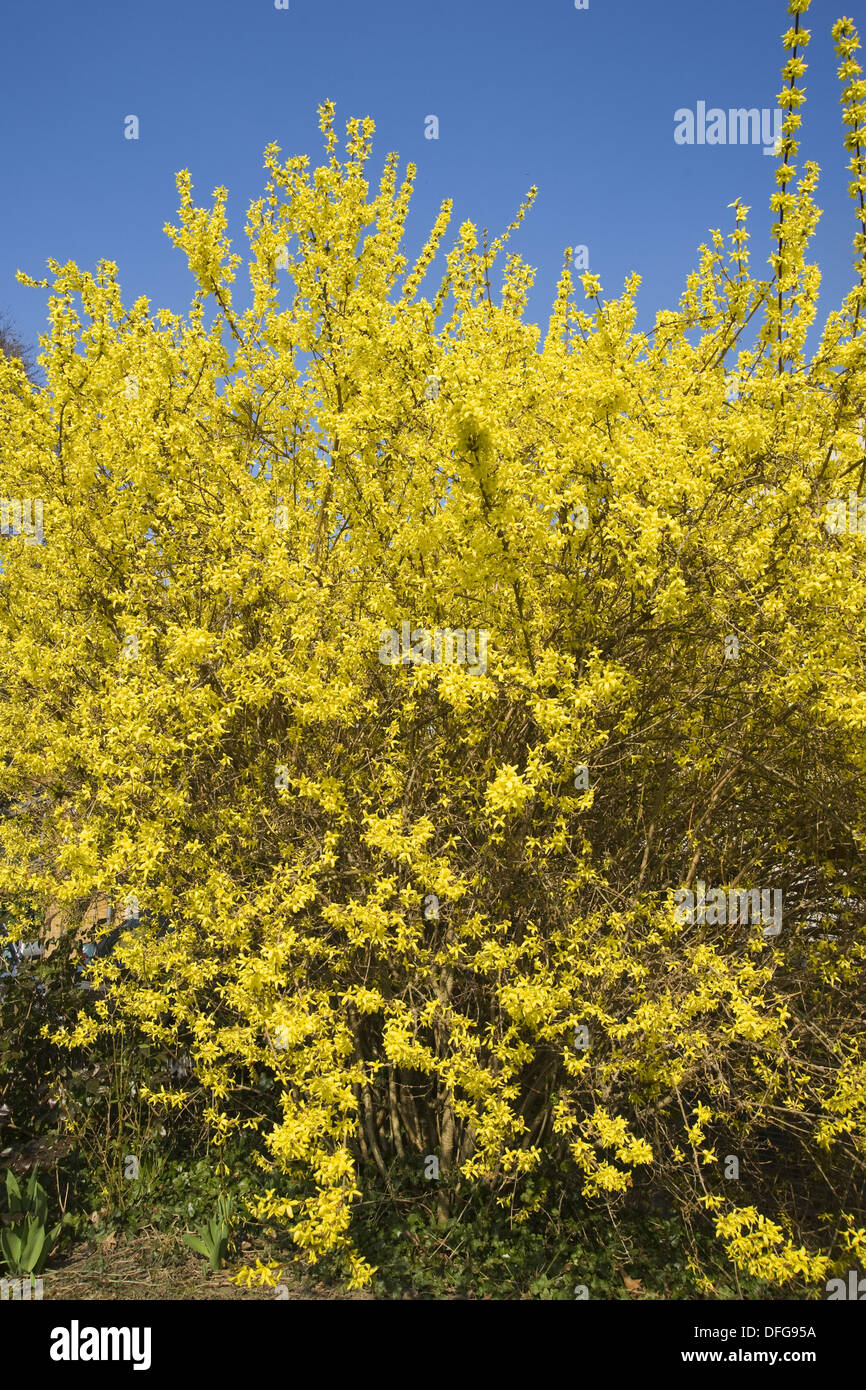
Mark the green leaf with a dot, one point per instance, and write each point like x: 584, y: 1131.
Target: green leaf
x: 197, y: 1244
x: 13, y: 1193
x: 35, y: 1250
x: 10, y: 1245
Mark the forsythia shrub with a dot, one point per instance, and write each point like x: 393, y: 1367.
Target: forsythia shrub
x: 434, y: 899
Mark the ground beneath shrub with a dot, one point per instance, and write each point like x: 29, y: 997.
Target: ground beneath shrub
x: 155, y: 1266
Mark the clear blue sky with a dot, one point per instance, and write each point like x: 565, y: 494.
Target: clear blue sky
x: 580, y: 103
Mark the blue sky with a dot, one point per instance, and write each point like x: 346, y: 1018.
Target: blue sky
x: 578, y: 102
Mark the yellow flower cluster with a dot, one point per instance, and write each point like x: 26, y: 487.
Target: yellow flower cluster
x: 374, y: 886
